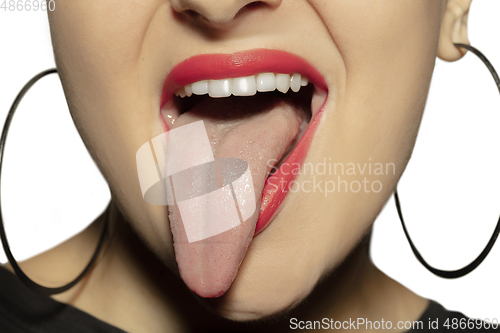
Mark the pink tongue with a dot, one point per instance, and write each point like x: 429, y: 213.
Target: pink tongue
x: 256, y: 130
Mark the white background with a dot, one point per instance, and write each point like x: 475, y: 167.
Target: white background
x: 51, y: 188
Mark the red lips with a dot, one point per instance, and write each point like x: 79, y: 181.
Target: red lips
x: 240, y: 64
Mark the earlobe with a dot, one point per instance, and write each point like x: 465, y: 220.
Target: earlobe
x: 454, y: 29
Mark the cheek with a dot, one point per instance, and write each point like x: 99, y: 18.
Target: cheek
x: 384, y: 62
x: 389, y: 52
x: 98, y: 61
x: 98, y: 49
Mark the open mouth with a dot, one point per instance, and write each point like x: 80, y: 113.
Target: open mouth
x: 249, y: 88
x: 243, y: 98
x: 262, y: 106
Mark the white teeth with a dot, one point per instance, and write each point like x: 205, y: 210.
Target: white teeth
x: 266, y: 82
x: 200, y: 87
x: 189, y: 90
x: 220, y: 88
x: 181, y: 92
x: 283, y: 82
x: 295, y: 82
x: 245, y: 86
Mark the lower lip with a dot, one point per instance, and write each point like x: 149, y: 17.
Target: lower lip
x: 278, y: 185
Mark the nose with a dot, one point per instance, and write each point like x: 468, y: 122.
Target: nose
x: 217, y: 12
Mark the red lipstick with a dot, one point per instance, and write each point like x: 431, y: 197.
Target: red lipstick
x: 240, y: 64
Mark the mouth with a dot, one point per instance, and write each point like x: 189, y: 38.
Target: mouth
x: 262, y: 106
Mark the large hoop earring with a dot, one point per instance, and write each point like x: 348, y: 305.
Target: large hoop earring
x: 20, y: 274
x: 474, y: 264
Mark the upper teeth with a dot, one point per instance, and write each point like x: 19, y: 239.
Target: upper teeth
x: 245, y: 86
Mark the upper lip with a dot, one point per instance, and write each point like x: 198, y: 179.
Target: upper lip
x: 240, y: 64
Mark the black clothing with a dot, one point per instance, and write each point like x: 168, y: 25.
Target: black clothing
x: 25, y: 311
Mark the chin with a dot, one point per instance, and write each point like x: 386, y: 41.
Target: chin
x: 242, y: 304
x: 258, y: 293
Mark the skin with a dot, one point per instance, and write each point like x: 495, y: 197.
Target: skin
x: 377, y: 58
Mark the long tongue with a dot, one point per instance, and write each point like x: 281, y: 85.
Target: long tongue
x: 256, y: 130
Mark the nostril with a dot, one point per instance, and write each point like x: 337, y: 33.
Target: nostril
x: 191, y: 13
x: 255, y: 5
x: 218, y: 13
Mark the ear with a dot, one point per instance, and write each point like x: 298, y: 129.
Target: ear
x: 454, y: 29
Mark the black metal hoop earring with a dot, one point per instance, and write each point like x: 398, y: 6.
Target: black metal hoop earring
x: 20, y: 274
x: 474, y: 264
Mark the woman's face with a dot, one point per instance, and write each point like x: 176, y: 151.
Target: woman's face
x: 376, y: 58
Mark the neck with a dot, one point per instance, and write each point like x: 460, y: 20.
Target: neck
x: 130, y: 288
x: 356, y: 289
